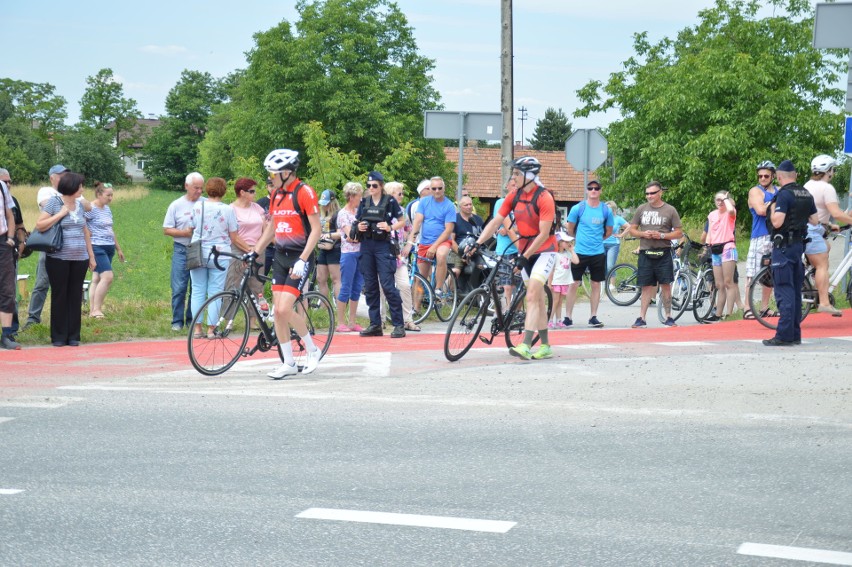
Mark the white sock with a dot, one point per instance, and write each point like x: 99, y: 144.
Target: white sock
x: 309, y: 343
x: 287, y: 349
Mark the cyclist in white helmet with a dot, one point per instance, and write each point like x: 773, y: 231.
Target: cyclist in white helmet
x: 295, y: 227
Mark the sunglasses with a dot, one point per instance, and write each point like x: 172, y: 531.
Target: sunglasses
x: 719, y: 200
x: 764, y: 176
x: 593, y: 188
x: 252, y: 191
x: 647, y: 193
x: 437, y: 188
x: 372, y: 185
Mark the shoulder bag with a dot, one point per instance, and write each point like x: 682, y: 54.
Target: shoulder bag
x: 48, y: 241
x: 194, y: 258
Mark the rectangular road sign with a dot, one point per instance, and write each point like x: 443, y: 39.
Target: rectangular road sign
x: 832, y: 24
x: 443, y: 124
x: 847, y: 138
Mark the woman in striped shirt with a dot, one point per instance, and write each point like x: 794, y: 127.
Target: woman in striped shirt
x: 105, y: 246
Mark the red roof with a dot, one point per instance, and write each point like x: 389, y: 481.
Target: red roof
x: 482, y: 170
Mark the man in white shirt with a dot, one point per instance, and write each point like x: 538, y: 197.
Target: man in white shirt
x: 178, y: 225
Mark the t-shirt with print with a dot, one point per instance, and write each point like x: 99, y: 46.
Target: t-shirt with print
x: 100, y: 222
x: 823, y: 193
x: 213, y: 226
x: 463, y: 228
x: 290, y: 231
x: 436, y: 215
x: 562, y: 274
x: 526, y: 221
x: 590, y: 229
x: 663, y: 219
x: 720, y: 228
x: 345, y: 220
x: 249, y: 222
x: 179, y: 216
x: 73, y: 238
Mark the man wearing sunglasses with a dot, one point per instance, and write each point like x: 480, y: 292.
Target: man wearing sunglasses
x: 655, y: 224
x: 760, y: 244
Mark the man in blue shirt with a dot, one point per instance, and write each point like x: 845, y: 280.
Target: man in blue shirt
x: 590, y: 222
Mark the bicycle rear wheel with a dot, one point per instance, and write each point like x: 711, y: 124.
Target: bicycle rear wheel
x: 421, y: 294
x: 681, y: 298
x: 229, y: 317
x: 316, y: 309
x: 466, y: 324
x: 703, y: 295
x: 764, y: 313
x: 621, y: 285
x: 446, y: 297
x: 516, y: 317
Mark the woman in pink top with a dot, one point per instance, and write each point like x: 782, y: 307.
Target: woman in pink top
x: 720, y: 234
x: 251, y: 220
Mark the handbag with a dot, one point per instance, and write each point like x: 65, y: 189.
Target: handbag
x: 48, y: 241
x: 194, y: 259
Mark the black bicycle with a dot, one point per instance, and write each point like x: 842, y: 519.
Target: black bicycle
x: 483, y: 302
x: 228, y: 312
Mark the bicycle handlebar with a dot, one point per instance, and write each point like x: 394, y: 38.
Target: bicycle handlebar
x: 215, y: 252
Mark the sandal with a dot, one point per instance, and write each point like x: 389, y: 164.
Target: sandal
x: 97, y: 316
x: 411, y: 326
x: 199, y: 336
x: 747, y: 314
x: 769, y: 313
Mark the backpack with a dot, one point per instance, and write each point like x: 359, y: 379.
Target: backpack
x: 295, y: 200
x: 534, y: 202
x: 607, y: 214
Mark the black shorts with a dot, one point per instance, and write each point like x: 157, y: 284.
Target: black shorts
x: 281, y: 265
x: 655, y: 271
x: 596, y: 263
x: 326, y: 257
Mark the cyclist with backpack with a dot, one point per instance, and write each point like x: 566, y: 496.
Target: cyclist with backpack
x: 590, y: 222
x: 295, y: 228
x: 535, y: 212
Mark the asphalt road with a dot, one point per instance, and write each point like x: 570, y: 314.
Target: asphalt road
x: 654, y: 450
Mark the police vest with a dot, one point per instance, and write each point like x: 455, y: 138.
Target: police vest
x: 376, y: 213
x: 796, y: 219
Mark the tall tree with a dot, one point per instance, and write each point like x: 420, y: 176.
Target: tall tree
x: 37, y: 105
x: 89, y: 151
x: 23, y: 151
x: 353, y: 66
x: 172, y: 150
x: 552, y: 131
x: 103, y: 103
x: 700, y: 111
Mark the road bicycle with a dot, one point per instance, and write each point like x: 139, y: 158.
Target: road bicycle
x: 485, y: 302
x: 426, y: 297
x: 214, y: 353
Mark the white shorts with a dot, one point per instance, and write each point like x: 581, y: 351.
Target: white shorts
x: 540, y: 271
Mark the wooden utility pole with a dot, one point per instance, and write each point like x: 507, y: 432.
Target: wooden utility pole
x: 507, y: 145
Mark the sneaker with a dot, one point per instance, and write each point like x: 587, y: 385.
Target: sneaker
x: 567, y: 322
x: 521, y: 351
x: 670, y: 322
x: 314, y: 357
x: 284, y: 370
x: 177, y: 328
x: 356, y: 328
x: 9, y: 344
x: 343, y: 329
x: 544, y: 351
x: 593, y: 322
x: 712, y: 319
x: 553, y: 325
x: 639, y: 323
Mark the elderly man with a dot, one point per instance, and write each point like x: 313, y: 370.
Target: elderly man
x: 20, y: 235
x: 178, y: 225
x: 7, y: 269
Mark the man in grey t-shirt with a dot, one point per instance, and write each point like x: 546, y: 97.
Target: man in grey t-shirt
x: 178, y: 225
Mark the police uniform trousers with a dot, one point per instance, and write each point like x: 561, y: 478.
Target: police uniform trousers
x: 788, y: 274
x: 378, y: 267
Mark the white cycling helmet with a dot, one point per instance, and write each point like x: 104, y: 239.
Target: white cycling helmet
x: 279, y: 160
x: 822, y: 163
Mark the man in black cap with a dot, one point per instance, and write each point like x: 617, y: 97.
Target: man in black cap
x: 789, y: 212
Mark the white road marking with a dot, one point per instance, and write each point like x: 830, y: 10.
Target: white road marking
x: 10, y: 491
x: 584, y: 346
x: 796, y: 553
x: 444, y: 522
x: 684, y: 344
x: 51, y: 402
x: 3, y: 419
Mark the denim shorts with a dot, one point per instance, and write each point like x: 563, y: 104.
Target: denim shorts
x: 817, y: 244
x: 103, y: 257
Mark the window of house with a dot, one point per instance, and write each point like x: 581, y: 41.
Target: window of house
x: 140, y: 164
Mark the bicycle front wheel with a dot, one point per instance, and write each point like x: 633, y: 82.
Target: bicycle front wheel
x: 316, y: 310
x: 215, y: 352
x: 446, y: 297
x: 765, y: 310
x: 703, y: 295
x: 466, y: 324
x: 621, y: 285
x: 681, y: 298
x: 516, y: 317
x: 422, y: 298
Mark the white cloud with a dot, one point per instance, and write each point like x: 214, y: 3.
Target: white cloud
x: 165, y: 50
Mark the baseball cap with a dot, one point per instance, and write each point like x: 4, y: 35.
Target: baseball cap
x: 562, y: 236
x: 57, y: 169
x: 326, y: 197
x: 787, y: 166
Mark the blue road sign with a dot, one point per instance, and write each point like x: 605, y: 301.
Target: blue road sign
x: 847, y: 139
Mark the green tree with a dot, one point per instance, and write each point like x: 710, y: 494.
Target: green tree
x: 103, y: 104
x: 700, y: 111
x: 90, y: 151
x: 351, y: 65
x: 37, y: 105
x: 23, y: 151
x: 172, y: 150
x: 552, y: 131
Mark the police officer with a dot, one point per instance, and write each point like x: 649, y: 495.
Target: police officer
x: 378, y: 214
x: 790, y: 211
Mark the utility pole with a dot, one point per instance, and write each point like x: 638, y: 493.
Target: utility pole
x: 523, y: 118
x: 507, y: 144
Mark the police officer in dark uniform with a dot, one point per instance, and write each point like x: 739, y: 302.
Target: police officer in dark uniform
x: 378, y: 214
x: 790, y: 211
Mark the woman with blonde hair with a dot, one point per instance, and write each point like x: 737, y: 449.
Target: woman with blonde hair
x: 351, y: 280
x: 105, y: 246
x: 396, y: 190
x: 328, y: 259
x: 719, y: 235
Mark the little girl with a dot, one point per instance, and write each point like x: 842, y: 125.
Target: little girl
x: 561, y: 277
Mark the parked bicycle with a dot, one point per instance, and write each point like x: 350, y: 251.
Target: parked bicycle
x: 427, y: 296
x: 232, y: 326
x: 485, y: 302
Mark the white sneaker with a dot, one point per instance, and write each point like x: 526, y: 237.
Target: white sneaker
x: 283, y: 370
x: 312, y: 362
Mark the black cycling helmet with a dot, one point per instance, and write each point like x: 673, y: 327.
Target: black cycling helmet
x: 766, y: 164
x: 527, y: 164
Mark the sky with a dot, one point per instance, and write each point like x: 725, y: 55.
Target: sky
x: 559, y: 46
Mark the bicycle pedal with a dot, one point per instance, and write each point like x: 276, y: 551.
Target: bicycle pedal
x: 486, y: 340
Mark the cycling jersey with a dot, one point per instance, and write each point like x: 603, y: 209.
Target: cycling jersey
x: 291, y: 233
x: 526, y: 220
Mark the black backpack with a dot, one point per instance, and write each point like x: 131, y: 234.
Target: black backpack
x: 534, y: 202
